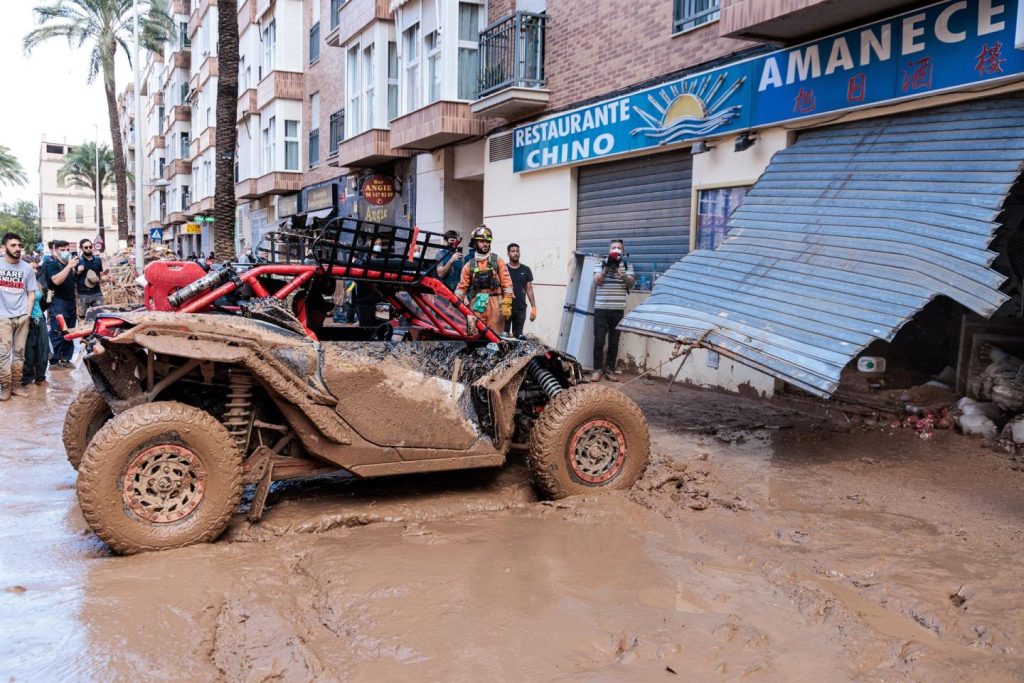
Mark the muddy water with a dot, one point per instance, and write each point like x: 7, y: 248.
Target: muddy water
x: 755, y: 548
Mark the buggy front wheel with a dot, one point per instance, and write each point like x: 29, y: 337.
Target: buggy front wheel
x: 589, y: 437
x: 160, y: 475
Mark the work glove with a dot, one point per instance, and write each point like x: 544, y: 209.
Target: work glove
x: 506, y: 308
x: 533, y: 313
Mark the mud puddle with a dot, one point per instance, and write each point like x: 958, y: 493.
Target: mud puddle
x: 756, y: 547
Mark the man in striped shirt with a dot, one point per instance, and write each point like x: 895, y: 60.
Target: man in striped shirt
x: 613, y: 277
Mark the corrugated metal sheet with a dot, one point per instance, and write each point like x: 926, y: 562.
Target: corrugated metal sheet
x: 848, y: 234
x: 644, y: 201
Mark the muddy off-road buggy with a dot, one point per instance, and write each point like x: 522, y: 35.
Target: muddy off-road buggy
x: 199, y: 395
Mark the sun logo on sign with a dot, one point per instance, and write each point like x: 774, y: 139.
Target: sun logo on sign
x: 683, y: 111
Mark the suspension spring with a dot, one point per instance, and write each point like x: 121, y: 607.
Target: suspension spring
x: 238, y: 410
x: 548, y: 382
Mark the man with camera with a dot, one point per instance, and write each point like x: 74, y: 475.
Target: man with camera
x: 450, y: 260
x: 613, y: 277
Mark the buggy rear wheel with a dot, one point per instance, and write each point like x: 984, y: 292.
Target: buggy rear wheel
x: 160, y: 475
x: 85, y: 416
x: 588, y: 437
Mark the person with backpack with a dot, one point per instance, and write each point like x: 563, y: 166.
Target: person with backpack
x: 37, y: 348
x: 485, y: 283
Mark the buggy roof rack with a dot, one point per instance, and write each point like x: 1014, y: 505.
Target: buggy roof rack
x: 357, y: 249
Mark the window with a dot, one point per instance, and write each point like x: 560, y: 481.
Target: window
x: 690, y: 14
x: 161, y: 164
x: 354, y: 89
x: 314, y: 129
x: 433, y: 67
x: 79, y: 213
x: 243, y: 76
x: 186, y: 197
x: 291, y: 145
x: 208, y: 116
x: 184, y: 146
x: 60, y: 213
x: 269, y: 38
x: 207, y: 177
x: 392, y: 80
x: 469, y: 45
x: 113, y: 215
x: 314, y: 41
x: 269, y: 145
x: 54, y: 149
x: 368, y: 76
x: 162, y: 115
x: 337, y: 130
x: 335, y: 7
x: 183, y: 39
x: 411, y: 48
x: 713, y: 210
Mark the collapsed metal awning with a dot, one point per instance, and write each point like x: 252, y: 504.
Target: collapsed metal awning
x: 847, y: 235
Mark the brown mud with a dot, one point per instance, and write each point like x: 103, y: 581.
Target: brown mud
x: 757, y: 546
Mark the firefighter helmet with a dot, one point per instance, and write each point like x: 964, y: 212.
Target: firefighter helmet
x: 482, y: 233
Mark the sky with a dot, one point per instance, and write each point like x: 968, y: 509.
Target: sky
x: 46, y: 94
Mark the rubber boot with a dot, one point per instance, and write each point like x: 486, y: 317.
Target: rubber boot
x: 16, y: 388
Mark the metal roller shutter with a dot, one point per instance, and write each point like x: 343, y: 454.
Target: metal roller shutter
x: 644, y: 201
x: 848, y: 234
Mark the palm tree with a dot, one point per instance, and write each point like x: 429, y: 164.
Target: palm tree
x: 106, y: 25
x: 11, y: 172
x: 227, y: 132
x: 79, y: 170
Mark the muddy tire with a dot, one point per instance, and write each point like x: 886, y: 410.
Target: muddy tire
x: 86, y: 415
x: 589, y: 437
x: 160, y: 475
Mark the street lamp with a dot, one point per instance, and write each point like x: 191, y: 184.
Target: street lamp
x: 99, y: 217
x: 139, y: 264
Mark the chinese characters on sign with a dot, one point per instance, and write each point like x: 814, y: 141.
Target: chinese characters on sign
x: 990, y: 60
x: 917, y: 74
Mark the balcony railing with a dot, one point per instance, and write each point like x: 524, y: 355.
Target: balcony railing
x: 512, y: 53
x: 314, y: 148
x: 337, y: 131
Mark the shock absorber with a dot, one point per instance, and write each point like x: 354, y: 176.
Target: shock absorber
x: 548, y: 382
x: 238, y: 410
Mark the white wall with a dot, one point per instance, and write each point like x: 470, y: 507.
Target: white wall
x: 538, y: 211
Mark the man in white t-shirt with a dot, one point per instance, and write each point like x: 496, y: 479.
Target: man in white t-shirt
x: 17, y: 294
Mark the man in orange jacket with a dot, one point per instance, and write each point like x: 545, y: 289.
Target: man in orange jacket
x: 485, y: 283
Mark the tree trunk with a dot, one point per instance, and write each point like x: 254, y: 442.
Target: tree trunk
x: 227, y: 133
x: 120, y: 178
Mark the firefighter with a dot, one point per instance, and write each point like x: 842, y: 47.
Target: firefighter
x: 485, y: 284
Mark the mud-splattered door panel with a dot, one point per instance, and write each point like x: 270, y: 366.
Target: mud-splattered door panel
x: 403, y: 394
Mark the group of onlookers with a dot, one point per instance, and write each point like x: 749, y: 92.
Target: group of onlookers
x: 59, y: 287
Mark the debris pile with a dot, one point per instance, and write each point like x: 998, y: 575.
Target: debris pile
x: 999, y: 412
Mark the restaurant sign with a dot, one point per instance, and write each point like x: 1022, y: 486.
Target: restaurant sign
x: 946, y: 46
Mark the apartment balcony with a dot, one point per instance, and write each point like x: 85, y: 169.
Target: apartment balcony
x: 204, y: 206
x: 156, y: 142
x: 262, y: 7
x: 247, y: 104
x: 177, y: 167
x: 436, y: 125
x: 246, y: 15
x: 279, y: 85
x: 199, y: 11
x: 155, y: 100
x: 246, y: 189
x: 180, y: 7
x: 206, y: 140
x: 368, y: 149
x: 356, y: 15
x: 210, y: 68
x: 182, y: 59
x: 789, y: 21
x: 512, y: 67
x: 177, y: 218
